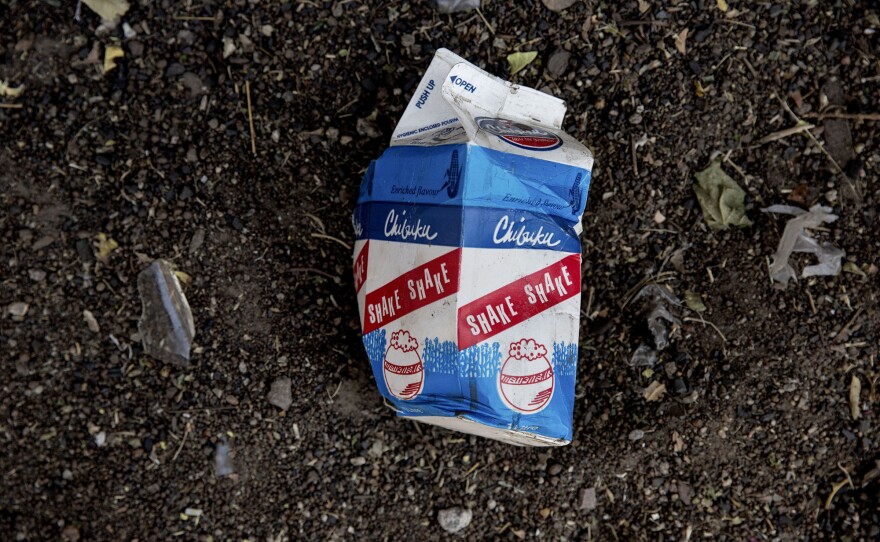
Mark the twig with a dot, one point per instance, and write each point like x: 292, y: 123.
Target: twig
x: 11, y: 106
x: 642, y: 23
x: 782, y: 134
x: 190, y: 18
x: 182, y: 442
x: 331, y: 238
x: 635, y: 161
x: 846, y: 327
x: 316, y: 271
x: 704, y: 322
x: 812, y: 137
x: 737, y: 23
x: 247, y: 90
x: 489, y: 26
x: 848, y: 116
x: 203, y: 409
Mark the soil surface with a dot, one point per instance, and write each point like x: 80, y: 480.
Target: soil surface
x: 755, y: 429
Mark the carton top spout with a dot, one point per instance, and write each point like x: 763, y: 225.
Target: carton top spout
x: 457, y: 102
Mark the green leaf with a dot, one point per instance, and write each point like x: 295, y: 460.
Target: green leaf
x: 518, y: 61
x: 694, y: 301
x: 722, y: 200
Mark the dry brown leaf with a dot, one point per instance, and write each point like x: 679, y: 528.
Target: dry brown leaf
x: 108, y: 10
x: 855, y: 392
x: 681, y: 41
x: 654, y: 392
x: 644, y: 6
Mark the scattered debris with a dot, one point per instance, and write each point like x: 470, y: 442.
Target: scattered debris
x: 111, y: 53
x: 782, y: 134
x: 588, y: 499
x: 681, y: 41
x: 657, y: 314
x: 70, y: 534
x: 100, y: 439
x: 518, y: 61
x: 722, y: 5
x: 558, y: 5
x: 452, y: 6
x: 18, y: 309
x: 644, y: 356
x: 9, y: 91
x: 108, y: 10
x: 222, y: 461
x: 636, y: 435
x: 694, y: 301
x: 795, y: 239
x: 855, y: 392
x: 106, y: 245
x: 657, y: 297
x: 91, y: 322
x: 453, y: 520
x: 166, y: 324
x: 558, y: 62
x: 654, y: 391
x: 279, y: 393
x: 193, y: 512
x: 722, y: 200
x: 852, y: 267
x: 835, y: 488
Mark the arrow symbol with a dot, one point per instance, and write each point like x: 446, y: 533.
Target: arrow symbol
x: 453, y: 78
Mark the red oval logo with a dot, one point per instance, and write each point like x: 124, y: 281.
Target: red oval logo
x: 519, y: 134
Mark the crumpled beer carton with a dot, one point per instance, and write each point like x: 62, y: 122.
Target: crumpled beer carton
x: 467, y: 262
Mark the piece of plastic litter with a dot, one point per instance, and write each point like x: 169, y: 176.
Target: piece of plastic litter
x: 658, y: 296
x: 795, y: 239
x: 451, y: 6
x: 644, y: 356
x: 222, y: 461
x: 166, y: 324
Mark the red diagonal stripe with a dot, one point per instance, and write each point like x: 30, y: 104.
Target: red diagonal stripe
x: 417, y: 288
x: 360, y: 267
x: 515, y: 303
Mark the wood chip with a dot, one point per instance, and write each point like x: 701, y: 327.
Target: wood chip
x: 855, y: 392
x: 681, y: 40
x: 91, y: 322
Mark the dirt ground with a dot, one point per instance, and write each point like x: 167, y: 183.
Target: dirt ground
x: 755, y: 429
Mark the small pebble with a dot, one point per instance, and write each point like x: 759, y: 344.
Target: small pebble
x: 636, y: 434
x: 279, y: 394
x: 18, y: 309
x: 554, y: 469
x: 455, y: 519
x: 588, y: 499
x: 91, y: 322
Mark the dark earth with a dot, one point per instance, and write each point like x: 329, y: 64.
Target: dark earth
x: 756, y: 426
